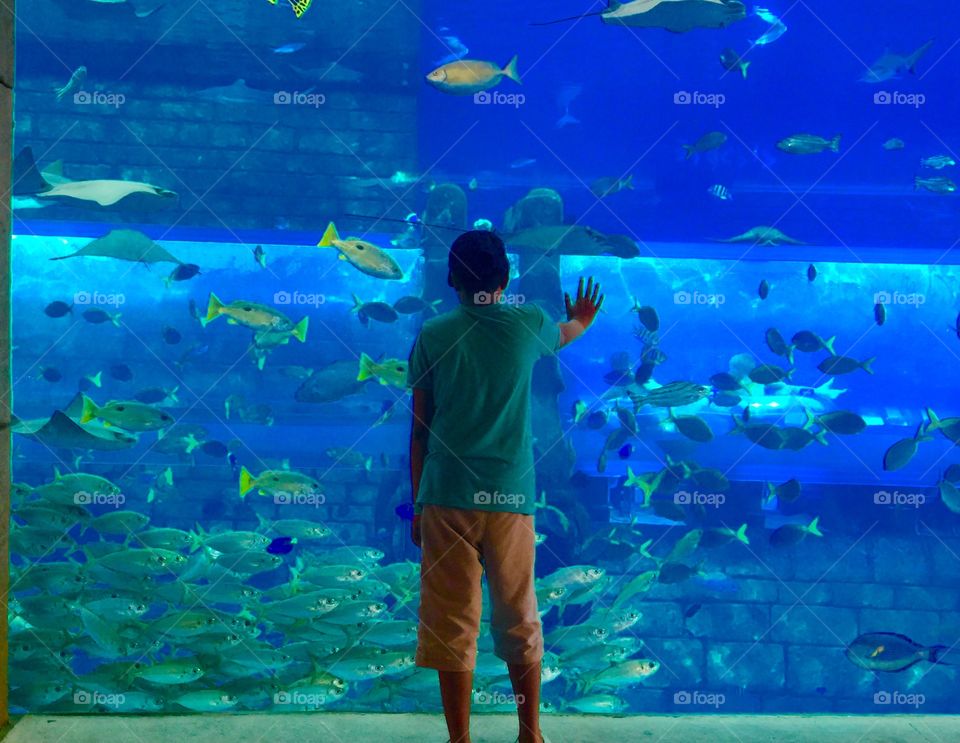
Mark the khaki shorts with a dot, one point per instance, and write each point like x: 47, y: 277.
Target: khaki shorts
x: 458, y: 546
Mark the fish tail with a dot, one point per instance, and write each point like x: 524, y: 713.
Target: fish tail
x: 115, y: 319
x: 742, y: 534
x: 743, y: 69
x: 196, y: 538
x: 89, y: 410
x: 300, y: 330
x: 771, y: 492
x: 814, y: 527
x: 934, y: 423
x: 628, y: 182
x: 916, y: 187
x: 645, y: 550
x: 213, y: 309
x: 835, y: 143
x: 828, y: 344
x: 511, y: 71
x: 192, y: 443
x: 866, y: 365
x: 365, y: 368
x: 357, y: 303
x: 936, y: 652
x: 368, y: 464
x: 247, y: 482
x: 95, y: 379
x: 690, y: 151
x: 329, y: 236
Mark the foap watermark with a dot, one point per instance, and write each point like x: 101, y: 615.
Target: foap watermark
x: 896, y: 498
x: 898, y: 698
x: 914, y: 298
x: 302, y: 699
x: 298, y: 98
x: 299, y: 499
x: 698, y: 98
x: 98, y: 98
x: 502, y: 298
x: 496, y: 498
x: 896, y: 98
x: 496, y: 98
x: 99, y: 298
x: 86, y: 698
x: 482, y: 696
x: 299, y: 298
x: 696, y: 498
x: 699, y: 299
x: 83, y: 498
x: 699, y: 699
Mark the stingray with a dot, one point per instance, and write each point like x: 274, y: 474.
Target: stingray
x: 677, y: 16
x: 64, y: 432
x: 29, y: 181
x: 571, y: 240
x: 124, y: 245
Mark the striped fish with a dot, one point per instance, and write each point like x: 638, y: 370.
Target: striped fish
x: 720, y: 192
x: 299, y: 6
x: 673, y: 395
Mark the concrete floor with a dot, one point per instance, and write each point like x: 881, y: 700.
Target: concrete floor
x: 354, y: 728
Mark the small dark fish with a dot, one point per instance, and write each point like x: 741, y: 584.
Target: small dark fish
x: 260, y: 256
x: 791, y: 534
x: 379, y: 311
x: 281, y: 545
x: 842, y: 422
x: 121, y: 372
x: 676, y: 572
x: 51, y: 374
x: 811, y: 272
x: 404, y: 511
x: 768, y: 374
x: 891, y: 652
x: 171, y: 335
x: 643, y: 373
x: 732, y: 61
x: 97, y: 317
x: 597, y: 419
x: 952, y: 473
x: 151, y: 395
x: 725, y: 399
x: 691, y: 610
x: 648, y: 317
x: 57, y: 309
x: 880, y: 313
x: 410, y: 305
x: 214, y: 449
x: 778, y: 345
x: 809, y: 342
x: 821, y: 690
x: 787, y: 492
x: 726, y: 382
x: 764, y: 289
x: 844, y: 365
x: 183, y: 272
x: 625, y: 451
x: 652, y: 355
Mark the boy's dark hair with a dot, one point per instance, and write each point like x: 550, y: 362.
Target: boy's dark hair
x: 478, y: 262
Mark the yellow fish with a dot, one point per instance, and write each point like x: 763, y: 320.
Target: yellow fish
x: 126, y: 414
x: 299, y: 6
x: 255, y: 316
x: 467, y: 76
x: 390, y: 371
x: 362, y: 255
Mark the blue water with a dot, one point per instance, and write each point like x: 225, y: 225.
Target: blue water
x: 758, y: 626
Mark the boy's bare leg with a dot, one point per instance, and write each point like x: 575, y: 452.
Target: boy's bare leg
x: 456, y: 691
x: 526, y: 688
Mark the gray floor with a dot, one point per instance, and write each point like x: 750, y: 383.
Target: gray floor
x: 351, y: 728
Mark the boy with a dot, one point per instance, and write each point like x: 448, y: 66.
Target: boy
x: 472, y: 470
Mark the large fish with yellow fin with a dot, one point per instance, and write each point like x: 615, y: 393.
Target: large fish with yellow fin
x: 362, y: 255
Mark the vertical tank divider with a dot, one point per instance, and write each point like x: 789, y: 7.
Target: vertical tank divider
x: 6, y: 401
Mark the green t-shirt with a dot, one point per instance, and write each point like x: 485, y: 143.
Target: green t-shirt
x: 478, y: 362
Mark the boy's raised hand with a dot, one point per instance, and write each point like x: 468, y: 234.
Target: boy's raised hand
x: 587, y: 304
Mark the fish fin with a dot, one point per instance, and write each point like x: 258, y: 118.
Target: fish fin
x: 771, y: 492
x: 192, y: 443
x: 690, y: 152
x: 27, y: 178
x: 329, y: 235
x: 645, y: 550
x: 365, y: 362
x: 742, y: 534
x: 828, y: 344
x: 511, y: 71
x: 814, y: 527
x: 115, y: 319
x: 247, y: 482
x: 89, y: 410
x: 196, y: 538
x: 96, y: 379
x: 866, y: 365
x: 628, y: 182
x: 357, y: 303
x: 835, y: 143
x: 743, y: 69
x: 300, y: 330
x: 368, y: 464
x: 934, y: 423
x: 172, y: 394
x: 213, y: 309
x: 934, y: 655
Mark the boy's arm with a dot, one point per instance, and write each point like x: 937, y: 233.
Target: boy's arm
x: 419, y: 436
x: 580, y: 313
